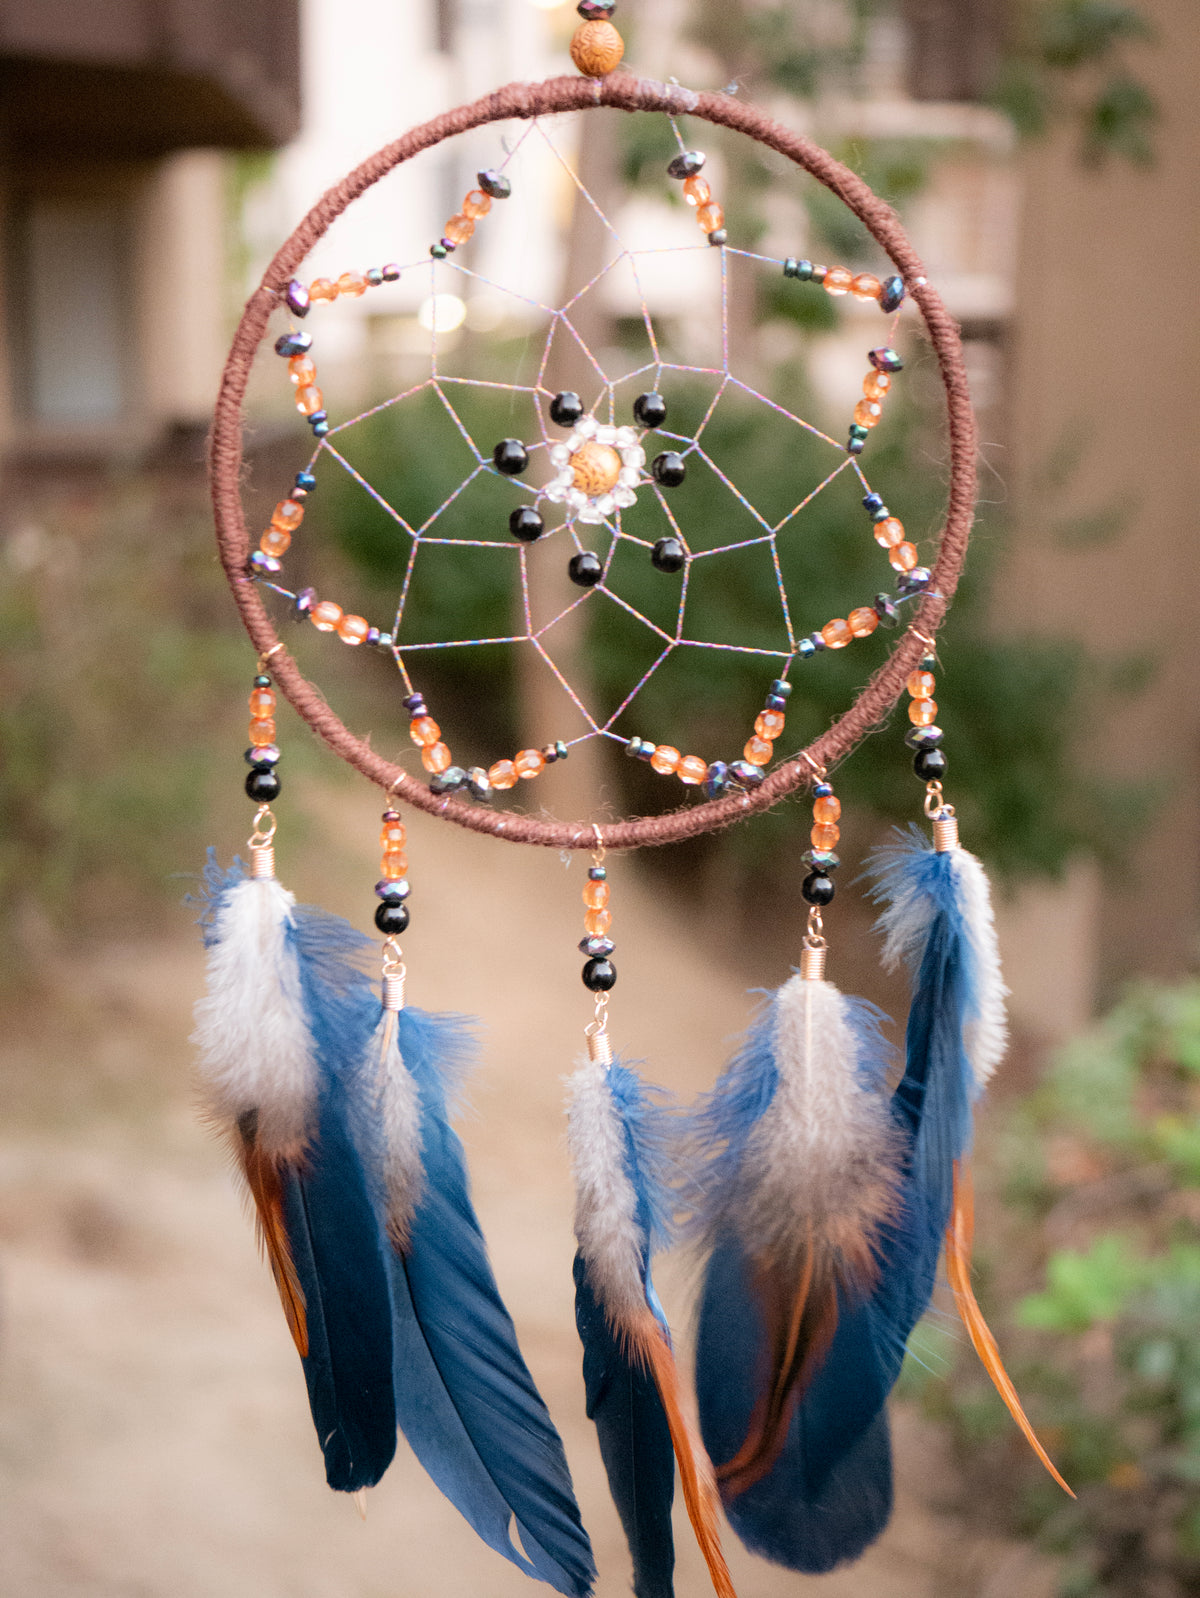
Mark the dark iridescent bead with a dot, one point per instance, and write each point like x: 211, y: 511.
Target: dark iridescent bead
x: 262, y: 680
x: 822, y: 790
x: 930, y: 764
x: 800, y: 270
x: 265, y: 565
x: 375, y: 276
x: 305, y: 600
x: 525, y: 523
x: 320, y: 425
x: 414, y: 704
x: 857, y: 430
x: 881, y: 515
x: 479, y: 784
x: 668, y: 555
x: 549, y: 754
x: 510, y: 457
x: 597, y: 874
x: 924, y: 737
x: 566, y: 408
x: 821, y: 860
x: 599, y: 975
x: 716, y: 779
x: 873, y: 502
x: 856, y: 446
x: 633, y: 747
x: 585, y: 569
x: 373, y: 637
x: 296, y: 296
x: 885, y: 359
x: 306, y: 481
x: 384, y: 640
x: 262, y: 755
x: 262, y: 785
x: 885, y: 609
x: 495, y: 184
x: 596, y: 948
x: 560, y: 749
x: 391, y: 273
x: 741, y: 771
x: 776, y: 702
x: 818, y: 273
x: 686, y: 164
x: 440, y: 251
x: 596, y: 10
x: 914, y: 581
x: 782, y: 687
x: 448, y: 781
x: 719, y: 235
x: 817, y: 888
x: 669, y: 468
x: 891, y: 293
x: 393, y: 892
x: 817, y: 642
x: 392, y: 919
x: 293, y: 343
x: 650, y: 409
x: 646, y: 749
x: 806, y: 649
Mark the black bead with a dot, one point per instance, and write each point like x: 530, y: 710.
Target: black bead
x: 669, y: 469
x: 510, y: 457
x: 391, y: 919
x: 289, y: 344
x: 855, y: 446
x: 262, y: 785
x: 585, y: 569
x: 650, y: 410
x: 448, y: 781
x: 817, y: 888
x: 525, y: 523
x: 686, y: 165
x: 891, y: 293
x: 495, y: 184
x: 930, y: 764
x: 873, y: 502
x: 599, y: 975
x: 438, y: 251
x: 668, y: 555
x: 566, y: 409
x: 719, y: 236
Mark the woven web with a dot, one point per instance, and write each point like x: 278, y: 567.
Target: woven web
x: 571, y: 530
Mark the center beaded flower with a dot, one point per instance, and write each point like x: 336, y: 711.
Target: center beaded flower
x: 598, y: 469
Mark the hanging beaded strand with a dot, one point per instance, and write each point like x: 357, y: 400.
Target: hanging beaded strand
x: 925, y: 738
x: 821, y: 857
x: 262, y: 780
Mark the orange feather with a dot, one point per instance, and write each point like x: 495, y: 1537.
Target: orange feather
x: 959, y: 1237
x: 262, y: 1179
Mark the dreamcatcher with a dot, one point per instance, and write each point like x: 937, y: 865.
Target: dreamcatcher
x: 822, y: 1198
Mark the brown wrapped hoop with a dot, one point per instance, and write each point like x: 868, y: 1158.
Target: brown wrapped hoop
x: 625, y: 93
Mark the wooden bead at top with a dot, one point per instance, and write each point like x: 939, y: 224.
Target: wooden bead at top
x: 596, y: 49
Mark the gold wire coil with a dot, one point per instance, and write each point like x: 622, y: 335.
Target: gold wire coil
x: 945, y: 831
x: 262, y: 861
x: 599, y: 1046
x: 393, y: 989
x: 812, y: 961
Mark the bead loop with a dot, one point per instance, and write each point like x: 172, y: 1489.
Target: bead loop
x: 935, y: 801
x: 259, y: 839
x: 265, y: 657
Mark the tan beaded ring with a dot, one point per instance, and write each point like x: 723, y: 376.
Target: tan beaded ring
x: 557, y: 95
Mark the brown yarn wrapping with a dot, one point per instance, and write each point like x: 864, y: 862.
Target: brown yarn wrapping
x: 626, y: 93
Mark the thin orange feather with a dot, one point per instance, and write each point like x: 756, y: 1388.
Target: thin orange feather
x: 262, y: 1179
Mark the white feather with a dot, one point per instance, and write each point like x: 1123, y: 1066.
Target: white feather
x: 400, y: 1126
x: 985, y: 1033
x: 606, y: 1224
x: 255, y: 1049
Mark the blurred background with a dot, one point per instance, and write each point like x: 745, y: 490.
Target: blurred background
x: 1042, y: 153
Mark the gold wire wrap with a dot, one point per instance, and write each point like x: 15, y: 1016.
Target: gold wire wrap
x: 394, y: 972
x: 262, y: 855
x: 945, y: 832
x: 814, y: 949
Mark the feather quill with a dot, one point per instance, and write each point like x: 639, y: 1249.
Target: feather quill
x: 618, y: 1141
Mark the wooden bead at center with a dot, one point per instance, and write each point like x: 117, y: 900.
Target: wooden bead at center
x: 596, y: 49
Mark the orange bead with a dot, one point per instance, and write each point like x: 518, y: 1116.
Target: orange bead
x: 825, y: 836
x: 889, y: 532
x: 595, y: 895
x: 393, y: 835
x: 696, y: 190
x: 289, y: 513
x: 503, y: 774
x: 262, y: 731
x: 322, y: 288
x: 459, y: 229
x: 865, y: 286
x: 922, y: 712
x: 691, y: 770
x: 352, y: 284
x: 262, y: 703
x: 863, y: 621
x: 769, y: 724
x: 424, y: 730
x: 710, y: 217
x: 596, y: 48
x: 302, y: 369
x: 665, y: 759
x: 325, y: 615
x: 867, y: 412
x: 876, y: 384
x: 597, y: 922
x: 435, y: 757
x: 309, y: 400
x: 477, y: 204
x: 827, y: 809
x: 838, y: 280
x: 393, y: 864
x: 353, y: 629
x: 904, y: 557
x: 921, y: 684
x: 757, y: 751
x: 275, y: 541
x: 529, y: 763
x: 836, y: 633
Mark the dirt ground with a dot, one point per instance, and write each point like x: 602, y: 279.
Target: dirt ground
x: 154, y: 1434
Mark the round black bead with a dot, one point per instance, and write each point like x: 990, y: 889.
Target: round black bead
x: 566, y: 409
x: 391, y: 919
x: 510, y: 457
x: 585, y: 569
x: 262, y: 785
x: 817, y: 888
x: 668, y: 555
x: 599, y: 975
x: 525, y: 523
x: 930, y: 764
x: 669, y: 469
x: 686, y: 164
x: 650, y: 409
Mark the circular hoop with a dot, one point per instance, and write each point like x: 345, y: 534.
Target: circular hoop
x: 522, y: 100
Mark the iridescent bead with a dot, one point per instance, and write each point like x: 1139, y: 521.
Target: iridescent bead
x: 885, y: 359
x: 710, y: 217
x: 290, y: 344
x: 476, y: 204
x: 685, y: 164
x: 448, y: 781
x: 423, y: 730
x: 768, y: 724
x: 596, y: 895
x: 782, y: 687
x: 801, y: 270
x: 904, y: 557
x: 503, y: 774
x: 633, y: 747
x: 757, y: 751
x: 440, y: 251
x: 375, y: 277
x: 922, y: 712
x: 867, y: 412
x: 928, y: 737
x: 889, y: 532
x: 823, y: 860
x: 746, y: 774
x: 825, y: 835
x: 529, y: 763
x: 806, y: 649
x: 494, y: 183
x: 912, y: 581
x: 827, y: 809
x: 325, y: 615
x: 885, y: 609
x: 353, y: 629
x: 597, y: 922
x: 596, y: 948
x: 865, y: 286
x: 414, y: 704
x: 776, y: 702
x: 891, y: 293
x: 304, y: 602
x: 435, y: 757
x: 921, y: 684
x: 352, y: 285
x: 322, y: 288
x: 393, y: 892
x: 691, y: 770
x: 872, y: 503
x: 862, y: 621
x: 716, y: 779
x: 275, y: 541
x: 664, y: 759
x: 836, y: 633
x: 459, y: 229
x: 696, y: 190
x: 838, y: 280
x: 262, y: 755
x: 296, y: 298
x: 319, y: 423
x: 855, y: 446
x: 391, y: 272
